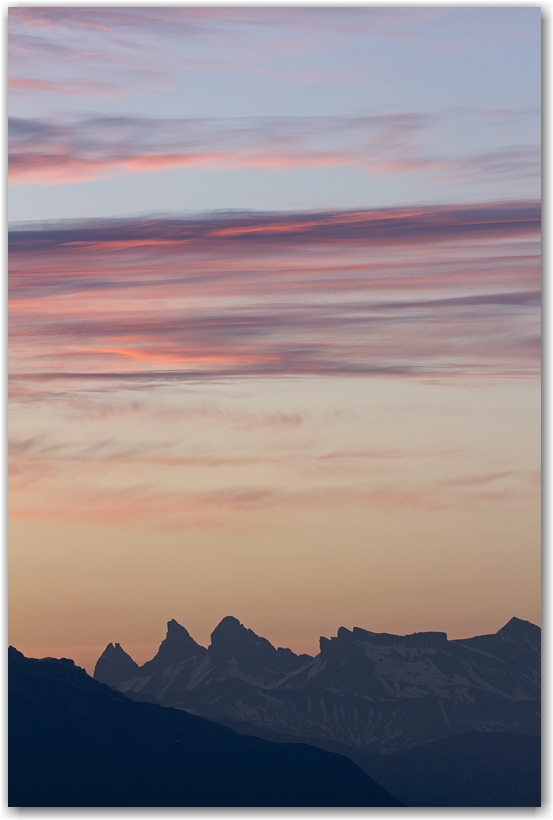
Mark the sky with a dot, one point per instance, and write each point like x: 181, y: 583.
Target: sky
x: 274, y: 322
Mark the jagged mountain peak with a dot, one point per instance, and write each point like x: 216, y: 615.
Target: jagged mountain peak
x: 114, y: 651
x: 177, y: 635
x: 114, y: 666
x: 516, y: 627
x: 234, y: 644
x: 178, y: 645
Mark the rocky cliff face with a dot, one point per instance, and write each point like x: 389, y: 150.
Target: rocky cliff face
x: 376, y: 692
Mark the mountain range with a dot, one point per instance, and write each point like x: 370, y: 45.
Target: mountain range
x: 423, y: 720
x: 366, y: 691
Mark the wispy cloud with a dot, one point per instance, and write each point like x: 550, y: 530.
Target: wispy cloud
x: 196, y: 21
x: 504, y: 163
x: 479, y: 479
x: 32, y: 452
x: 144, y: 43
x: 266, y: 295
x: 144, y: 507
x: 241, y: 40
x: 54, y: 152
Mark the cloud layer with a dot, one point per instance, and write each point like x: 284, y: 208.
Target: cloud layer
x: 57, y: 151
x: 404, y: 292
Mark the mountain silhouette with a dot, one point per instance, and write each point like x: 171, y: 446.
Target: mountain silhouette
x: 74, y: 741
x: 115, y: 666
x: 177, y: 646
x: 374, y: 692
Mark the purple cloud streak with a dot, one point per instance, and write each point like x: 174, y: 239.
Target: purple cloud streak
x: 451, y: 290
x: 387, y: 225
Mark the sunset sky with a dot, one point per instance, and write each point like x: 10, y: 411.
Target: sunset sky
x: 274, y: 322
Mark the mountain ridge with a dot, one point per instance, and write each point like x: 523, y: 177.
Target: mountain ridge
x: 374, y: 691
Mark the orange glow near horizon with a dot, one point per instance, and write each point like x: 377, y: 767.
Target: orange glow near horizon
x: 198, y: 433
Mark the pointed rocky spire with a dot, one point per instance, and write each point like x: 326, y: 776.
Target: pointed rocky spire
x: 177, y: 646
x: 114, y: 666
x: 519, y: 629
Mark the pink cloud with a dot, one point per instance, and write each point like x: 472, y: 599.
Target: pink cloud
x: 77, y: 88
x: 139, y: 508
x: 143, y: 508
x: 62, y: 168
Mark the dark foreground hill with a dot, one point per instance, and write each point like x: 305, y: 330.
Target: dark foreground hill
x: 500, y: 769
x: 76, y: 742
x: 371, y: 691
